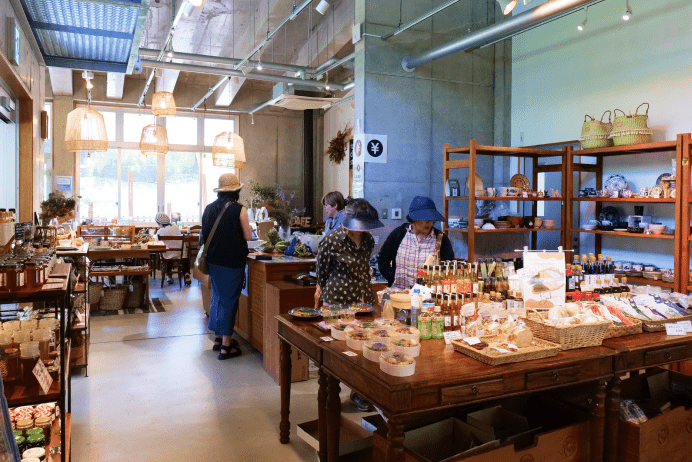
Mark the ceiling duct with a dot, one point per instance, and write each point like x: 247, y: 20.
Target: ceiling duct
x: 299, y: 99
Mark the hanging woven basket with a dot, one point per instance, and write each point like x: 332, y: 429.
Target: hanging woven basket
x: 86, y: 131
x: 154, y: 140
x: 163, y: 104
x: 228, y: 150
x: 594, y: 133
x: 631, y: 129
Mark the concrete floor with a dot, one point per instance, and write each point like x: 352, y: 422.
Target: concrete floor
x: 156, y: 392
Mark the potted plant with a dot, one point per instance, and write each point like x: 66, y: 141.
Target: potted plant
x: 279, y: 204
x: 57, y: 207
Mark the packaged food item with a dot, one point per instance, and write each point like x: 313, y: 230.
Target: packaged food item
x: 397, y: 364
x: 339, y: 331
x: 407, y: 346
x: 425, y: 323
x: 356, y: 339
x: 373, y: 348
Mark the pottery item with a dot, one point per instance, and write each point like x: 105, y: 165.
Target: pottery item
x: 637, y: 267
x: 528, y: 222
x: 615, y: 183
x: 644, y: 192
x: 537, y: 222
x: 515, y: 222
x: 548, y: 224
x: 520, y: 181
x: 490, y: 192
x: 504, y: 190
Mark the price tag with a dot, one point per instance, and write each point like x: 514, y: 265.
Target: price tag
x: 472, y: 340
x: 350, y: 353
x: 675, y: 329
x: 687, y: 325
x: 502, y: 350
x: 43, y: 377
x: 475, y: 287
x: 327, y: 338
x: 449, y: 336
x: 512, y: 346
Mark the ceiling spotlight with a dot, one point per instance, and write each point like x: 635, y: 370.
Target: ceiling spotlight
x: 252, y: 119
x: 507, y: 6
x: 196, y: 3
x: 323, y: 6
x: 187, y: 8
x: 628, y: 11
x: 89, y: 85
x: 326, y: 86
x: 259, y: 59
x: 583, y: 25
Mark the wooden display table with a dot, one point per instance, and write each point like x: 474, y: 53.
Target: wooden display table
x: 118, y: 254
x: 444, y: 379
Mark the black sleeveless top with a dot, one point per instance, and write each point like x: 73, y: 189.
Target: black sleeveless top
x: 228, y: 247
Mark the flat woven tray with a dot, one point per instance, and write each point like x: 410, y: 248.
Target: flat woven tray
x: 538, y: 349
x: 621, y: 331
x: 660, y: 325
x: 567, y: 337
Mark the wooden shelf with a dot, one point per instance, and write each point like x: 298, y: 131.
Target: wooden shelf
x: 627, y: 150
x: 79, y: 288
x: 507, y: 198
x: 625, y: 234
x: 505, y: 151
x: 651, y: 282
x: 19, y: 395
x: 55, y: 438
x: 624, y: 199
x: 507, y: 230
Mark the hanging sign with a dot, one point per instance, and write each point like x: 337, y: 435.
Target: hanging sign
x: 374, y: 147
x: 43, y: 376
x: 358, y: 186
x: 543, y: 279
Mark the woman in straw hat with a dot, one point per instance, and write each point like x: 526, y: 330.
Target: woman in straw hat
x: 227, y: 251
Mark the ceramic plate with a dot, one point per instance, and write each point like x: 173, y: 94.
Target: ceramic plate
x: 659, y: 180
x: 305, y: 312
x: 610, y: 214
x: 362, y: 308
x: 616, y: 183
x: 66, y: 248
x: 519, y: 181
x: 479, y: 183
x: 620, y: 230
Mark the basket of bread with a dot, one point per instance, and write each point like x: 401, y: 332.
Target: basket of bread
x: 570, y: 326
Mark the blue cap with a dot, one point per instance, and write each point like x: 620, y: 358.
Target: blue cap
x: 423, y: 209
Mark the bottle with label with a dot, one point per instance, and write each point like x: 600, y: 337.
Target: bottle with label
x: 447, y: 312
x: 446, y: 280
x: 455, y: 307
x: 438, y: 323
x: 416, y: 302
x: 420, y: 279
x: 425, y: 323
x: 624, y: 288
x: 388, y: 311
x: 615, y: 288
x: 437, y: 280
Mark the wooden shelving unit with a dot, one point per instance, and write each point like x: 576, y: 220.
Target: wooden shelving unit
x: 469, y: 163
x: 683, y: 227
x: 118, y: 233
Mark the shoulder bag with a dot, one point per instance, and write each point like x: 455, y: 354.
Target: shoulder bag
x: 201, y: 260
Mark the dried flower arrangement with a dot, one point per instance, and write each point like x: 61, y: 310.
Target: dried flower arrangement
x: 339, y: 144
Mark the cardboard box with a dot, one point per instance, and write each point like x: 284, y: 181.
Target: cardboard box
x: 352, y: 438
x: 299, y: 366
x: 498, y: 423
x: 445, y: 440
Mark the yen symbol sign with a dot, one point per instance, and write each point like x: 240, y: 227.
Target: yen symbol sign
x: 375, y: 148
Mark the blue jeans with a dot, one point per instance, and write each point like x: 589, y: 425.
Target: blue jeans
x: 226, y: 285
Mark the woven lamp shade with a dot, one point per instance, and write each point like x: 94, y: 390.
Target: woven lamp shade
x: 86, y: 131
x: 163, y: 104
x: 154, y: 140
x: 228, y: 150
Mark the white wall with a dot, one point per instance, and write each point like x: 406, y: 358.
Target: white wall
x: 335, y: 176
x: 560, y: 74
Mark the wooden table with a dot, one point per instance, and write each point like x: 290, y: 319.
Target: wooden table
x: 635, y: 352
x: 444, y: 379
x: 119, y: 254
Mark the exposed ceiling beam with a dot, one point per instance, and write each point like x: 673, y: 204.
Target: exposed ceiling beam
x: 115, y: 82
x: 168, y: 79
x: 227, y: 92
x: 72, y: 63
x: 80, y: 30
x: 137, y: 35
x: 61, y: 80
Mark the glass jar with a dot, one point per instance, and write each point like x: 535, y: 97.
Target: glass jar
x: 28, y: 357
x: 4, y: 275
x: 24, y: 425
x: 10, y: 326
x: 44, y: 424
x: 15, y: 276
x: 42, y: 336
x: 19, y: 337
x: 34, y: 454
x: 29, y: 324
x: 52, y: 325
x: 12, y: 360
x: 33, y: 431
x: 37, y: 440
x: 32, y: 270
x: 21, y: 443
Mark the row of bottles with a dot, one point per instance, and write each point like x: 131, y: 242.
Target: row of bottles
x: 594, y: 275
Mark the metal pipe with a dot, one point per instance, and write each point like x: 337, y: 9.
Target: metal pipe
x: 325, y: 64
x: 342, y: 100
x: 231, y: 72
x: 419, y: 19
x: 334, y: 65
x: 520, y: 22
x: 169, y: 37
x: 148, y: 52
x: 261, y: 106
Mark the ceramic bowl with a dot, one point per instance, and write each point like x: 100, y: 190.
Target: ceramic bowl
x: 649, y: 268
x: 669, y: 231
x: 589, y: 227
x: 657, y: 229
x: 478, y: 222
x: 528, y: 222
x: 537, y: 222
x: 637, y: 267
x: 515, y: 222
x: 548, y: 224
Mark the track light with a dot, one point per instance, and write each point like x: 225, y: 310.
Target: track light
x: 586, y: 18
x: 259, y: 60
x: 252, y: 119
x: 89, y: 85
x: 507, y: 6
x: 628, y: 11
x: 187, y: 8
x: 326, y: 86
x: 323, y: 6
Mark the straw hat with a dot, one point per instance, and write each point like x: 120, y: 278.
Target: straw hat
x: 228, y: 182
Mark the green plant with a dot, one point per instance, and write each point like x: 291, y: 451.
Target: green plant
x: 279, y: 205
x: 57, y: 207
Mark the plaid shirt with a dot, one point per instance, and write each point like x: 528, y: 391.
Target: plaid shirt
x: 411, y: 256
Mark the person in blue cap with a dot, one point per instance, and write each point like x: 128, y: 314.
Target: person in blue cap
x: 407, y: 247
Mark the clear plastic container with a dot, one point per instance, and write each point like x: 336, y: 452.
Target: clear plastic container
x: 10, y: 326
x: 19, y: 337
x: 29, y: 324
x: 12, y: 361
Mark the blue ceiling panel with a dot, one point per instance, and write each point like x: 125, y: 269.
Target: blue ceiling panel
x: 89, y: 15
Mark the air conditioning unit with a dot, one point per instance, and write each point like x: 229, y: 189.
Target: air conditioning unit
x: 296, y: 98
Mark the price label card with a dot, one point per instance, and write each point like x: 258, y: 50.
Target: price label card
x: 449, y: 336
x: 472, y: 340
x: 327, y: 338
x: 687, y: 325
x: 350, y: 353
x: 675, y: 329
x: 43, y: 376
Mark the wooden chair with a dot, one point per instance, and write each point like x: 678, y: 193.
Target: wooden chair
x: 177, y: 260
x: 195, y: 229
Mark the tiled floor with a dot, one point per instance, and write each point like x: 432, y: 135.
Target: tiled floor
x: 156, y: 392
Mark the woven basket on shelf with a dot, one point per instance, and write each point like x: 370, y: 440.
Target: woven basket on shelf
x: 538, y: 349
x: 631, y: 129
x: 568, y: 337
x: 113, y: 298
x: 594, y: 133
x: 621, y: 331
x: 660, y: 325
x: 94, y: 293
x: 135, y: 297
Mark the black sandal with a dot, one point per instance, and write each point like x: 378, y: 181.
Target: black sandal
x: 230, y: 351
x: 217, y: 344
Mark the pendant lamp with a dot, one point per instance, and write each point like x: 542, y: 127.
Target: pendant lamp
x: 163, y: 104
x: 228, y: 150
x: 507, y: 6
x: 86, y: 131
x: 154, y: 140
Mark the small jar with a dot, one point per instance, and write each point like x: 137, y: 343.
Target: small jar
x: 29, y: 324
x: 4, y: 276
x: 33, y: 431
x: 42, y: 336
x: 15, y: 276
x: 17, y: 433
x: 21, y: 443
x: 28, y: 357
x: 34, y: 454
x: 19, y: 337
x: 32, y: 270
x: 24, y: 425
x: 37, y: 440
x: 10, y: 326
x: 44, y: 424
x: 12, y: 360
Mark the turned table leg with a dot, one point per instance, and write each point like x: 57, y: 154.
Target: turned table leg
x: 598, y: 421
x: 395, y: 437
x: 285, y: 383
x: 612, y: 419
x: 322, y: 415
x: 333, y: 419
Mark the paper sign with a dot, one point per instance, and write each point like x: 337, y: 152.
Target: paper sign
x: 675, y: 329
x: 449, y: 336
x: 43, y: 377
x: 687, y: 325
x: 472, y: 340
x: 350, y: 353
x: 543, y: 279
x: 327, y: 338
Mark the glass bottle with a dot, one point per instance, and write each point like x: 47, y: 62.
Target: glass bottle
x: 438, y: 323
x: 425, y: 323
x: 615, y: 288
x: 624, y: 288
x: 447, y: 313
x: 455, y: 307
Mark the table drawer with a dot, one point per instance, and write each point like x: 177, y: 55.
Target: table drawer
x: 471, y: 391
x: 665, y: 355
x: 552, y: 377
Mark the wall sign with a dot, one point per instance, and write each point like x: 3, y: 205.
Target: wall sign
x: 64, y: 185
x: 14, y: 41
x: 358, y: 184
x: 373, y: 147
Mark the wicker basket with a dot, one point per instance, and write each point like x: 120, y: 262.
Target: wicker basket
x: 660, y: 325
x: 631, y: 129
x: 135, y: 297
x: 567, y: 337
x: 594, y: 133
x: 621, y: 331
x: 94, y: 295
x: 113, y: 298
x: 538, y: 349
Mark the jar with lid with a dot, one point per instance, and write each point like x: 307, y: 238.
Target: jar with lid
x: 21, y: 443
x: 34, y: 453
x: 10, y: 326
x: 29, y: 324
x: 5, y: 343
x: 24, y: 425
x: 15, y: 276
x: 4, y: 276
x: 33, y: 431
x: 42, y: 336
x: 28, y: 357
x: 12, y: 361
x: 19, y: 337
x: 36, y: 440
x: 52, y: 325
x: 32, y: 270
x: 44, y: 424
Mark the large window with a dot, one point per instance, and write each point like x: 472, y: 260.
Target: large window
x: 124, y: 185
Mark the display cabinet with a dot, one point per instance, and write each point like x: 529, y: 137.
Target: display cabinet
x: 117, y: 233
